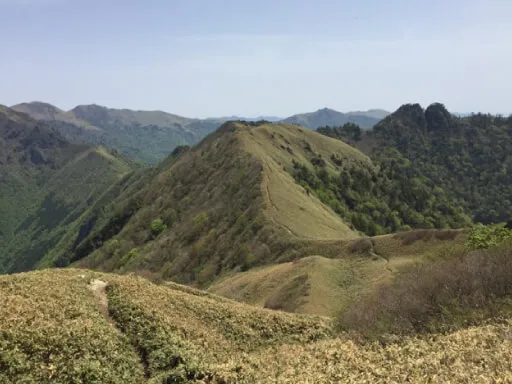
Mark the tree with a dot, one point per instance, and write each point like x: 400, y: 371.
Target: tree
x: 157, y: 227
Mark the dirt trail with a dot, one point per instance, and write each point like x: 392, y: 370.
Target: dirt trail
x: 98, y: 288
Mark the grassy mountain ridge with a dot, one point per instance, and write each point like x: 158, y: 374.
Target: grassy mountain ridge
x: 47, y: 183
x: 106, y: 328
x: 221, y: 207
x: 235, y: 202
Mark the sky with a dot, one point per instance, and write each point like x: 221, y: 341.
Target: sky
x: 205, y: 58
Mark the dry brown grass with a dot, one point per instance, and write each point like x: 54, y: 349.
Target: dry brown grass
x: 314, y: 285
x: 475, y: 355
x: 438, y: 296
x: 52, y: 331
x: 347, y: 271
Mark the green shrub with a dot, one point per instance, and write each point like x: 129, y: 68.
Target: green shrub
x: 130, y: 255
x: 157, y: 227
x: 482, y: 236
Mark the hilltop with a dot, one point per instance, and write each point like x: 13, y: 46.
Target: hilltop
x: 230, y: 203
x: 47, y: 183
x: 245, y: 200
x: 328, y: 285
x: 96, y: 327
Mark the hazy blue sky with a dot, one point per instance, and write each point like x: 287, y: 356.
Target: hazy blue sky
x: 223, y: 57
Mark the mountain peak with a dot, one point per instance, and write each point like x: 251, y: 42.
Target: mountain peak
x: 438, y: 117
x: 38, y: 110
x: 91, y: 112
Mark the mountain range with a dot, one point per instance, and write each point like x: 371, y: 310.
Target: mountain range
x: 266, y: 252
x: 148, y: 136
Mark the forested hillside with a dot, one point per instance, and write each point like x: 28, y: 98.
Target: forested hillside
x: 46, y: 184
x: 466, y: 159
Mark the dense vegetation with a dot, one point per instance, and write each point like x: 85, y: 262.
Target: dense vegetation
x: 379, y: 200
x: 468, y: 159
x: 464, y: 287
x: 348, y: 132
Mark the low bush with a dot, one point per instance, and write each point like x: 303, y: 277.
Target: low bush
x: 483, y: 236
x: 438, y: 296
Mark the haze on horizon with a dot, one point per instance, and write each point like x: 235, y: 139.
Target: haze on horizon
x: 226, y: 57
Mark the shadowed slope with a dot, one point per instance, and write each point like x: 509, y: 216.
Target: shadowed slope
x: 47, y: 183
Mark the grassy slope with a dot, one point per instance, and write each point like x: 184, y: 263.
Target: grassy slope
x: 210, y: 202
x: 59, y: 333
x: 320, y: 285
x: 288, y: 204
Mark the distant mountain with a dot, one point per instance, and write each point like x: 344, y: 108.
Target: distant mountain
x: 149, y: 136
x: 146, y: 136
x: 39, y: 111
x: 46, y: 184
x: 258, y: 118
x: 374, y: 113
x: 326, y: 116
